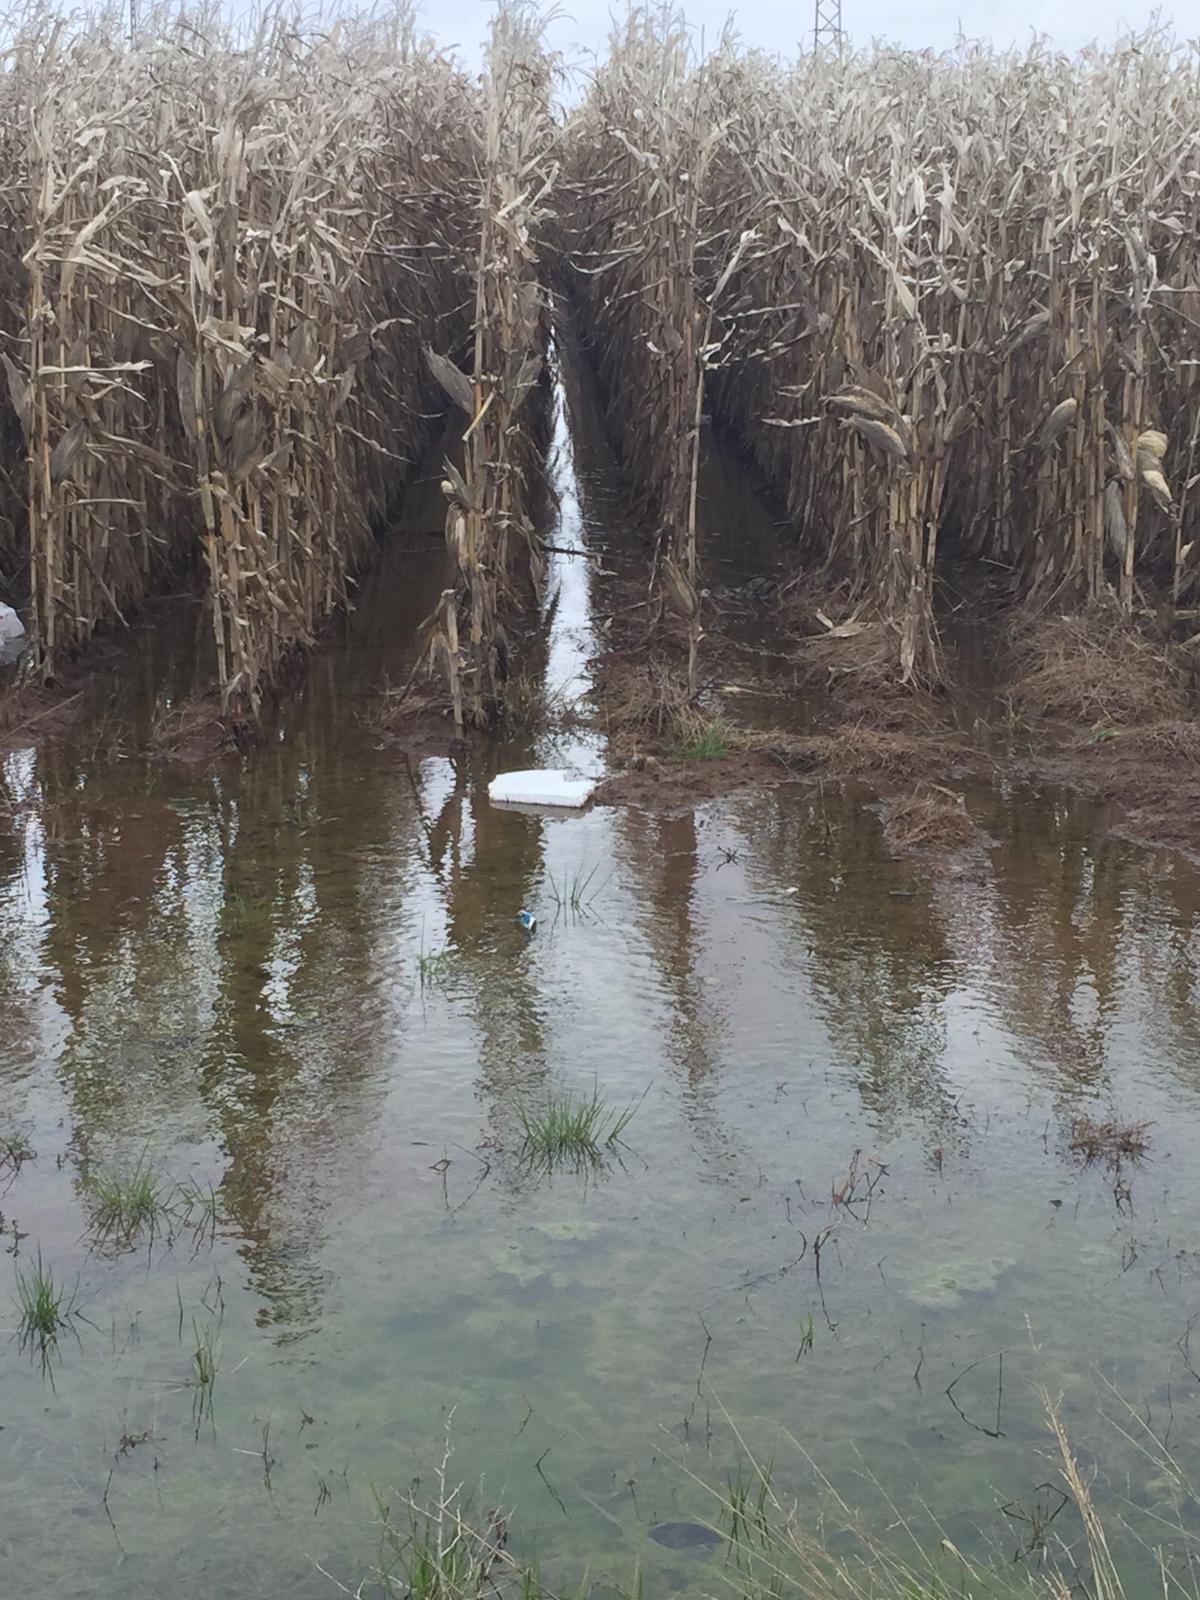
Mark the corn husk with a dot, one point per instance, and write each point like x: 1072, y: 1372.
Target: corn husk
x: 860, y: 402
x: 1151, y: 448
x: 888, y: 441
x: 1116, y: 528
x: 1060, y: 418
x: 1160, y: 491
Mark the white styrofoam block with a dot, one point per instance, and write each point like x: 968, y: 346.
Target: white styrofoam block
x: 540, y: 787
x: 12, y: 635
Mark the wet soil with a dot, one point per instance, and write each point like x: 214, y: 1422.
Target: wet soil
x: 676, y: 785
x: 814, y: 714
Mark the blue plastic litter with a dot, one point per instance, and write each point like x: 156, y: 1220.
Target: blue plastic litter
x: 527, y: 920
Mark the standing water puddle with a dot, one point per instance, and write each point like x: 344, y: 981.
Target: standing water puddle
x: 298, y: 985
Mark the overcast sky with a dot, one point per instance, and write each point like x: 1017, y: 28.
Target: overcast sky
x: 780, y: 25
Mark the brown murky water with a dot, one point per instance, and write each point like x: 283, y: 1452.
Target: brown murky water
x: 299, y: 979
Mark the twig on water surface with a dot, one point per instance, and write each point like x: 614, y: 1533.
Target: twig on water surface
x: 992, y: 1433
x: 526, y: 1418
x: 108, y: 1510
x: 858, y: 1186
x: 920, y: 1358
x: 691, y: 1411
x: 537, y: 1467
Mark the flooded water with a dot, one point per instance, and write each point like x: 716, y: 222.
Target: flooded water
x: 299, y: 980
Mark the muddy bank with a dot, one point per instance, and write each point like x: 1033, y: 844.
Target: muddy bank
x: 1088, y: 701
x: 33, y: 712
x: 1109, y: 706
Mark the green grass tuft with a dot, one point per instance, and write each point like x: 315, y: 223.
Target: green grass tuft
x: 127, y: 1205
x: 747, y: 1504
x: 46, y: 1307
x: 569, y: 1127
x: 706, y: 741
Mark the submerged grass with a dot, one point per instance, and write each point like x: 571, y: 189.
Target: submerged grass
x: 746, y: 1504
x: 571, y: 1128
x: 574, y: 892
x: 15, y: 1148
x: 436, y: 966
x: 206, y: 1360
x: 1111, y: 1142
x: 783, y: 1547
x: 198, y: 1207
x: 436, y: 1550
x: 780, y: 1547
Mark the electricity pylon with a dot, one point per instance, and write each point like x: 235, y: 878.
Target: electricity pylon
x: 827, y: 26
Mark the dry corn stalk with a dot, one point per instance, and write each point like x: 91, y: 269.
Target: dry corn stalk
x: 992, y: 311
x: 225, y: 259
x: 490, y: 515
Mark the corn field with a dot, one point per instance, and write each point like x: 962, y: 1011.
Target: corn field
x: 224, y: 260
x: 949, y: 306
x: 952, y: 304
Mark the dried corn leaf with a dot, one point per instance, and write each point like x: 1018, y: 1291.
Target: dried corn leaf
x: 1029, y: 330
x: 680, y: 592
x: 1121, y: 453
x: 454, y: 382
x: 66, y: 452
x: 18, y: 393
x: 961, y: 420
x: 185, y: 390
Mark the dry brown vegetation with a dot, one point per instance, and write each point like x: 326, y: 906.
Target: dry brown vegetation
x: 224, y: 257
x: 946, y: 304
x: 235, y: 268
x: 941, y: 301
x: 1096, y: 667
x: 861, y: 751
x: 1110, y: 1142
x: 489, y: 518
x: 929, y: 817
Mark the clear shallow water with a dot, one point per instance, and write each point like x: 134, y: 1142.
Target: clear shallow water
x: 224, y: 971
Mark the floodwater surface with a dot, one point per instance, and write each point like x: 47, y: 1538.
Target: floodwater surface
x: 845, y: 1226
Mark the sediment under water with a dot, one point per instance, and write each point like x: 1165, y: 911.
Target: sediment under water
x: 298, y: 979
